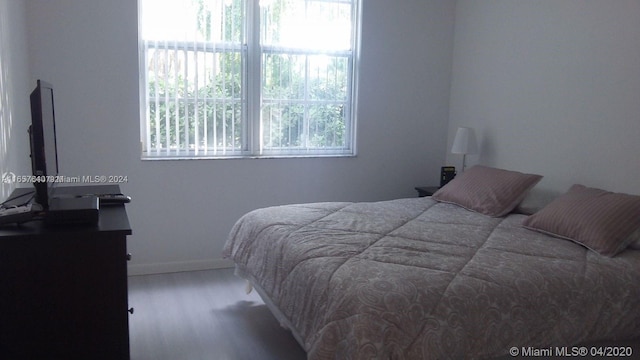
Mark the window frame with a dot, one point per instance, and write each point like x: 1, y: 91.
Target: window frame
x: 252, y: 136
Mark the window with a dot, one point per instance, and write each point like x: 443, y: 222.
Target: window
x: 248, y: 78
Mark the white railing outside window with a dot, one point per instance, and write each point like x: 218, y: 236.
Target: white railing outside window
x: 247, y: 78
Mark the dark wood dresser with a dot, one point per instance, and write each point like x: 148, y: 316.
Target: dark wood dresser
x: 63, y: 289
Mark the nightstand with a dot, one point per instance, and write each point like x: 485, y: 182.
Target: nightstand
x: 426, y: 190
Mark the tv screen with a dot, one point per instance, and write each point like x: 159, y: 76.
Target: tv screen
x: 44, y: 152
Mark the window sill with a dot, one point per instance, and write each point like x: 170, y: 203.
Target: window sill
x: 242, y: 157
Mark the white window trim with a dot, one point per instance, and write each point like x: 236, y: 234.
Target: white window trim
x: 253, y: 148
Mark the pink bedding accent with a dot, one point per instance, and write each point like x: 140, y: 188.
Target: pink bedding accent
x: 601, y: 220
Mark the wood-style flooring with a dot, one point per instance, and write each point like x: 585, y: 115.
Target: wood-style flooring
x: 203, y: 315
x: 207, y: 315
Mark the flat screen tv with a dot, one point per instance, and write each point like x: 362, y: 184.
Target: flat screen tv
x: 42, y: 135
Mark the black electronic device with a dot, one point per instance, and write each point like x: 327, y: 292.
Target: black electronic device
x: 42, y: 137
x: 447, y: 173
x: 113, y: 199
x: 73, y: 210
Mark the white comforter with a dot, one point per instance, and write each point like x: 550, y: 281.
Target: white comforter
x: 416, y: 279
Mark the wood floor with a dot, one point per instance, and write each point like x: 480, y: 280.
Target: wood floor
x: 207, y: 315
x: 203, y: 315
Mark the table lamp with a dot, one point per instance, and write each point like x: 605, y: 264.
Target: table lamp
x: 464, y: 143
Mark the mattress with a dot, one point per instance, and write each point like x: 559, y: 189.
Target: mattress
x: 418, y: 279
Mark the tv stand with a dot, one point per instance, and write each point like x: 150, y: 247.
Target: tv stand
x: 64, y: 288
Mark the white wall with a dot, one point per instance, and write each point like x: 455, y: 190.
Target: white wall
x: 182, y: 211
x: 551, y: 87
x: 15, y: 115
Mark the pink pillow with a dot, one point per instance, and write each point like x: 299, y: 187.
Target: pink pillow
x: 489, y: 191
x: 600, y: 220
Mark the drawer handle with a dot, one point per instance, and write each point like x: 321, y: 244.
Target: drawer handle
x: 129, y: 257
x: 130, y: 311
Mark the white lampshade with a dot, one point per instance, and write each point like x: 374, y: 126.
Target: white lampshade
x: 464, y: 142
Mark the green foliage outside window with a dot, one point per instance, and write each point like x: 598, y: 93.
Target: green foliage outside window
x: 304, y: 97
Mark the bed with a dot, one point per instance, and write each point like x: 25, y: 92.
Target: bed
x: 427, y: 278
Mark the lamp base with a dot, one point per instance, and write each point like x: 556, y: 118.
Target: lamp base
x: 464, y: 162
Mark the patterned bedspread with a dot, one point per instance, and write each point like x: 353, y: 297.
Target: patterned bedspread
x: 417, y: 279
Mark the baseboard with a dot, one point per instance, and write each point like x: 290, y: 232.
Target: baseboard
x: 178, y: 266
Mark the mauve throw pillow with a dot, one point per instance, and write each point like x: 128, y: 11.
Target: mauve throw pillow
x: 487, y: 190
x: 600, y: 220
